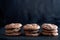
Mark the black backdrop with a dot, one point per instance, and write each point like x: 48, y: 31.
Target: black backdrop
x: 30, y: 11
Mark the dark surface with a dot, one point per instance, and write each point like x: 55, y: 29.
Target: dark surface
x: 22, y: 37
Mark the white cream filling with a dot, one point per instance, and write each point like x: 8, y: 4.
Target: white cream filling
x: 38, y: 27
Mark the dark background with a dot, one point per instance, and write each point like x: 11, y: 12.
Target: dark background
x: 29, y: 11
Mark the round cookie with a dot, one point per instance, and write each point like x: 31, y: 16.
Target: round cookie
x: 12, y: 34
x: 13, y: 25
x: 36, y: 34
x: 31, y: 27
x: 49, y: 26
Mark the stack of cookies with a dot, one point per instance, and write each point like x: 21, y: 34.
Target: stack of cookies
x: 31, y: 29
x: 49, y: 29
x: 13, y: 29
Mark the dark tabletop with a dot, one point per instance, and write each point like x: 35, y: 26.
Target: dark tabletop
x: 22, y: 37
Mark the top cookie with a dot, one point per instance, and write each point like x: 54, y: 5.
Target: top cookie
x: 31, y: 26
x: 49, y: 26
x: 13, y: 25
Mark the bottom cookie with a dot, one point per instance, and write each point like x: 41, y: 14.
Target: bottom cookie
x: 12, y: 34
x: 37, y: 34
x: 54, y: 34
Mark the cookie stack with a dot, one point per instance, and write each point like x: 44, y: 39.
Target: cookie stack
x: 13, y: 29
x: 49, y: 29
x: 31, y: 29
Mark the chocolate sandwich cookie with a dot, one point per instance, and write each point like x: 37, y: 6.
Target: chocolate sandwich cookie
x: 49, y: 29
x: 31, y: 29
x: 13, y: 28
